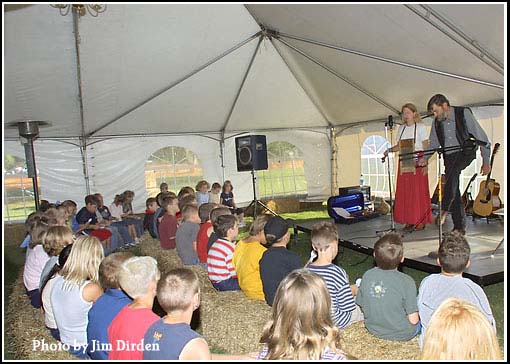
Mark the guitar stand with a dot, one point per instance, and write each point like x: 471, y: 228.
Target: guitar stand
x: 499, y: 245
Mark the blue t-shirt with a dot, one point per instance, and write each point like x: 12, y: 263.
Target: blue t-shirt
x: 227, y: 199
x: 101, y: 315
x: 202, y: 198
x: 83, y: 216
x: 165, y: 341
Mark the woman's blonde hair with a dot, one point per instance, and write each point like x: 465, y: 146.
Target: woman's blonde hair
x: 458, y: 330
x: 135, y: 275
x: 416, y: 114
x: 83, y: 262
x: 57, y: 238
x: 301, y: 326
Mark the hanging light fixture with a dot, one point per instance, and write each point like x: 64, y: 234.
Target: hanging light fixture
x: 81, y: 9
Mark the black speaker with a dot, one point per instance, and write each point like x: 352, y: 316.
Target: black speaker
x: 251, y: 153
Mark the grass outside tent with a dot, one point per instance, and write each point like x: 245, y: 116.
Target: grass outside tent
x: 357, y: 340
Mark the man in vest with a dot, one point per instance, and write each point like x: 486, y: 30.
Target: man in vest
x: 455, y: 127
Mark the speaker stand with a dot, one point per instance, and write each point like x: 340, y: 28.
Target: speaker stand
x: 255, y: 201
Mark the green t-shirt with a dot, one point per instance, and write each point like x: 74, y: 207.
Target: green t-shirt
x: 386, y: 297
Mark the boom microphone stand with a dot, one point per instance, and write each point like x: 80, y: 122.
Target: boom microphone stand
x: 389, y: 125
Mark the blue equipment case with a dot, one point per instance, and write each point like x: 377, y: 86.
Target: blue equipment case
x: 354, y: 204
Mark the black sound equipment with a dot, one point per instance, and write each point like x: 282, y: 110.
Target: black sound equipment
x: 251, y: 153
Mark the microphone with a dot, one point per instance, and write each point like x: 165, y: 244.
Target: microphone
x: 389, y: 123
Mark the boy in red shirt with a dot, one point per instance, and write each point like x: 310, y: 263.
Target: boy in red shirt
x: 168, y: 225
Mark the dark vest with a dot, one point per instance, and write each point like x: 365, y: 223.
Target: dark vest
x: 469, y: 147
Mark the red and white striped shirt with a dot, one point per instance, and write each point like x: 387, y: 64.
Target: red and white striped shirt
x: 219, y: 261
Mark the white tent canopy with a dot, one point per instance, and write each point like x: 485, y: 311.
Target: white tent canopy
x: 140, y: 77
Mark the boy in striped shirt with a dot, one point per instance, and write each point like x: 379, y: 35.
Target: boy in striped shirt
x: 219, y: 258
x: 344, y: 310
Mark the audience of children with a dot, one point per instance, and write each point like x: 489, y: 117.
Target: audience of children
x: 67, y: 285
x: 75, y: 289
x: 205, y: 231
x: 277, y: 261
x: 214, y: 194
x: 138, y: 277
x: 459, y: 331
x: 344, y: 310
x: 219, y: 258
x: 301, y: 327
x: 202, y: 193
x: 186, y: 236
x: 246, y: 259
x: 168, y: 226
x: 453, y: 258
x: 387, y: 296
x: 107, y: 306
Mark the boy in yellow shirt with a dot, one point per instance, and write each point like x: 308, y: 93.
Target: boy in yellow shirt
x: 247, y: 255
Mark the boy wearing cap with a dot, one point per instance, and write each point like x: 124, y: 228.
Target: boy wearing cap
x: 344, y: 310
x: 276, y: 261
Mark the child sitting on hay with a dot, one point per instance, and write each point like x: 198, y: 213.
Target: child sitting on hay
x: 277, y: 261
x: 325, y: 242
x: 220, y: 270
x: 387, y: 296
x: 301, y: 327
x: 186, y: 236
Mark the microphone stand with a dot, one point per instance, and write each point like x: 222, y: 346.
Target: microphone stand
x: 389, y: 125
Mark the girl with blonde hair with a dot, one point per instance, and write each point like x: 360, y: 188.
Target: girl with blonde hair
x: 301, y: 327
x: 458, y: 330
x: 412, y: 198
x: 75, y: 290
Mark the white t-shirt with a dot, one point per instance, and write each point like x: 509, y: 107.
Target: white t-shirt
x: 116, y: 211
x: 407, y: 132
x: 35, y: 261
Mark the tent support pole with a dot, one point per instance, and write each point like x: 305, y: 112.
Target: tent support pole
x: 334, y: 167
x: 343, y: 78
x: 484, y: 55
x: 222, y: 156
x: 207, y: 64
x: 399, y: 63
x: 83, y: 151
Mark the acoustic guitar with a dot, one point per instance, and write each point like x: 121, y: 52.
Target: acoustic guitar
x: 467, y: 199
x: 483, y: 204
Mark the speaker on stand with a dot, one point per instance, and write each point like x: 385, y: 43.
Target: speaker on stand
x: 251, y: 155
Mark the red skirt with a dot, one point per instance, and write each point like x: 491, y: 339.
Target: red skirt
x: 412, y: 198
x: 101, y: 234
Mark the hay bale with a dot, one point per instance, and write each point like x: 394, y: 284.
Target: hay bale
x: 233, y: 322
x: 359, y: 342
x: 281, y: 205
x: 14, y: 234
x: 25, y: 325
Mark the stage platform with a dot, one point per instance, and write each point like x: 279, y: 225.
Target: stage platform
x: 487, y: 265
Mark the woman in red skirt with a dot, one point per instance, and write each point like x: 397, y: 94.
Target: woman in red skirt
x: 412, y: 198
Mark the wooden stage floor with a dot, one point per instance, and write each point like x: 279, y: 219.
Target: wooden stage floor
x: 487, y: 265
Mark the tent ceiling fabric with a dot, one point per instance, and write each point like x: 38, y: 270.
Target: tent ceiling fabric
x: 134, y: 53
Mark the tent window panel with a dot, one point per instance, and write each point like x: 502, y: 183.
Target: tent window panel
x: 285, y: 175
x: 176, y: 166
x: 374, y: 171
x: 19, y: 199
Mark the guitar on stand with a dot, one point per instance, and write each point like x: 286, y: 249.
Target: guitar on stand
x: 467, y: 199
x: 483, y: 205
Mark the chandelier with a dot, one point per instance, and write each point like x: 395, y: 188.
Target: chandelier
x: 81, y: 9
